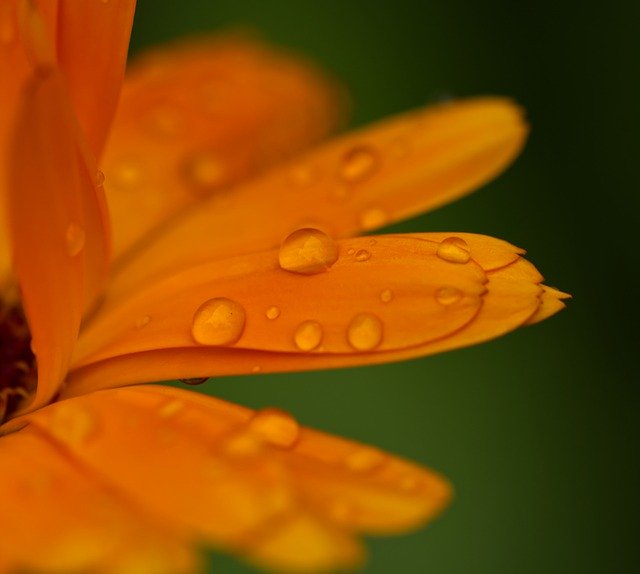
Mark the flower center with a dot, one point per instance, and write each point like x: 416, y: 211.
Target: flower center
x: 18, y: 375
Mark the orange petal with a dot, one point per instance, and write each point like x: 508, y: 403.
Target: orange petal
x: 58, y: 516
x: 364, y: 180
x: 251, y: 482
x: 57, y: 225
x: 197, y: 117
x: 550, y: 304
x: 401, y: 300
x: 93, y: 39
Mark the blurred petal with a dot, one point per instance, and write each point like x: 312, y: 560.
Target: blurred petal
x: 251, y: 482
x: 386, y: 298
x: 59, y: 516
x: 361, y: 181
x: 197, y: 117
x: 57, y: 224
x: 93, y: 39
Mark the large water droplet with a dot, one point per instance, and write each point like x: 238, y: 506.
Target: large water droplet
x: 308, y: 251
x: 363, y: 255
x: 448, y: 295
x: 308, y: 335
x: 454, y: 250
x: 365, y: 459
x: 386, y: 296
x: 75, y: 238
x: 72, y: 423
x: 272, y: 313
x: 218, y: 321
x: 358, y: 164
x: 365, y: 332
x: 275, y: 427
x: 372, y: 218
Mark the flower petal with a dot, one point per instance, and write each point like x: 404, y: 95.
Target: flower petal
x: 550, y: 304
x: 197, y: 117
x: 61, y: 517
x: 251, y: 482
x: 92, y: 44
x: 396, y: 301
x: 361, y: 181
x: 57, y: 224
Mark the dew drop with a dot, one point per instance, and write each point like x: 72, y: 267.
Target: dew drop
x: 386, y: 296
x: 308, y: 335
x: 308, y: 251
x: 75, y: 239
x: 218, y: 321
x: 99, y: 178
x: 194, y: 381
x: 351, y: 251
x: 143, y: 321
x: 362, y: 255
x: 275, y: 427
x: 365, y: 459
x: 72, y: 423
x: 454, y: 250
x: 243, y: 445
x: 358, y: 164
x: 272, y: 313
x: 364, y: 332
x: 256, y: 369
x: 448, y: 295
x: 170, y: 408
x: 204, y: 171
x: 372, y: 218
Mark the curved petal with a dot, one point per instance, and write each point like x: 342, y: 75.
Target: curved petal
x: 253, y: 482
x: 361, y: 181
x: 57, y: 224
x: 550, y: 304
x: 197, y: 117
x: 403, y: 301
x: 59, y: 516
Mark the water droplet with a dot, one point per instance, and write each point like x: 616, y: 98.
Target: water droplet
x: 272, y: 313
x: 448, y: 295
x: 372, y: 218
x: 75, y: 239
x: 72, y: 423
x: 143, y: 321
x: 358, y: 164
x: 365, y: 332
x: 256, y: 369
x: 308, y: 251
x: 170, y: 408
x: 205, y: 171
x: 362, y: 255
x: 308, y: 335
x: 386, y: 296
x: 351, y: 251
x: 194, y: 381
x: 99, y: 179
x: 126, y: 175
x: 275, y: 427
x: 243, y: 445
x: 365, y: 459
x: 454, y: 250
x: 218, y: 321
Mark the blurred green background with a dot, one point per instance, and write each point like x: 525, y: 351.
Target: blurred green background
x: 535, y: 429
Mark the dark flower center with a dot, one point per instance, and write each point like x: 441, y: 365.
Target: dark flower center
x: 18, y: 376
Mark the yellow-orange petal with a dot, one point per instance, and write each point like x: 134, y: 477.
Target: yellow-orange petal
x: 550, y: 304
x: 361, y: 181
x: 57, y: 225
x: 197, y: 117
x: 92, y: 44
x: 58, y: 516
x: 251, y: 482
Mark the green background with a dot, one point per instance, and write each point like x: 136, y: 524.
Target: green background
x: 535, y: 429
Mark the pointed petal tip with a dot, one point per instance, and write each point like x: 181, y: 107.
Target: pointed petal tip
x: 551, y: 302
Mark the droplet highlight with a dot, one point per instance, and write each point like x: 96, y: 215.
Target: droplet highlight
x: 308, y: 335
x: 373, y: 218
x: 448, y: 295
x: 358, y: 164
x: 218, y: 321
x: 143, y: 321
x: 75, y: 238
x: 454, y: 250
x: 386, y: 295
x: 275, y: 427
x: 99, y: 178
x: 365, y: 459
x: 308, y: 251
x: 363, y: 255
x: 170, y: 408
x: 272, y: 313
x: 73, y: 423
x: 365, y: 332
x: 204, y: 171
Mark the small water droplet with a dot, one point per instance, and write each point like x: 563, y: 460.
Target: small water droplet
x: 256, y: 369
x: 454, y: 250
x: 365, y: 332
x: 143, y: 321
x: 243, y: 445
x: 308, y: 251
x: 205, y: 171
x: 72, y: 423
x: 358, y: 164
x: 218, y: 321
x: 372, y: 218
x: 126, y: 175
x: 170, y: 408
x: 351, y: 251
x: 308, y: 335
x: 272, y: 313
x: 362, y: 255
x: 194, y: 381
x: 275, y: 427
x: 75, y: 239
x: 365, y: 459
x: 448, y: 295
x: 99, y: 179
x: 386, y: 296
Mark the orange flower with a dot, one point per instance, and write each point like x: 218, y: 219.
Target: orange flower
x: 99, y: 476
